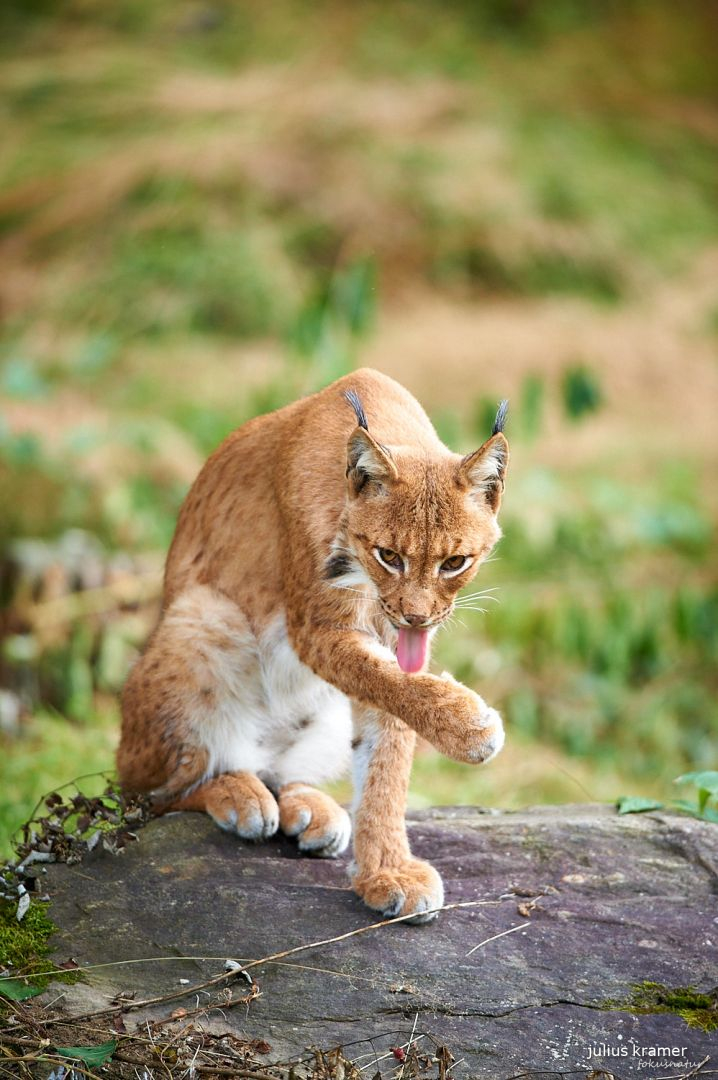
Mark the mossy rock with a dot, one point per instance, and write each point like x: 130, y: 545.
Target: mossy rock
x: 596, y: 905
x: 25, y: 944
x: 698, y: 1009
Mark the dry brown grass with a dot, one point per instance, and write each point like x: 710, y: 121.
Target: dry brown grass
x: 658, y: 369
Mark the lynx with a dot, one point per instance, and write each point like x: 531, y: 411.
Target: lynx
x: 316, y: 555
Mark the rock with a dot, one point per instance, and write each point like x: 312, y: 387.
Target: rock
x: 601, y: 902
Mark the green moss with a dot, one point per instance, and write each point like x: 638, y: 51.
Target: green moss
x: 697, y: 1008
x: 24, y: 945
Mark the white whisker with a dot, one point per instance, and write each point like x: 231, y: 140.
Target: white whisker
x: 468, y: 601
x: 357, y: 592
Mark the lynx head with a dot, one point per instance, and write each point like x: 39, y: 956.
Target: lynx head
x: 418, y: 527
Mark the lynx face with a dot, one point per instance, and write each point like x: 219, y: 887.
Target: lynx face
x: 416, y: 532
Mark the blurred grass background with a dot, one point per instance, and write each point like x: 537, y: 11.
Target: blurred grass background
x: 209, y: 208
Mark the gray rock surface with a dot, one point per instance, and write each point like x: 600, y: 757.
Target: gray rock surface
x: 621, y: 900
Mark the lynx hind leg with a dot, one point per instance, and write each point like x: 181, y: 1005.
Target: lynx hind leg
x: 178, y: 716
x: 238, y: 802
x: 320, y: 824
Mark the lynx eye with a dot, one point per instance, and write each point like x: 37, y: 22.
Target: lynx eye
x: 455, y: 564
x: 390, y: 558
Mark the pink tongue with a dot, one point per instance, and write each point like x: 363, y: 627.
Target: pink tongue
x: 411, y: 649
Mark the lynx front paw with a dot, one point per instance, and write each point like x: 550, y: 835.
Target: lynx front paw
x: 243, y: 805
x: 475, y: 732
x: 412, y: 888
x: 322, y: 827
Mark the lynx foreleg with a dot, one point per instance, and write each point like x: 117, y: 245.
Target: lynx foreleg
x: 453, y: 718
x: 384, y: 873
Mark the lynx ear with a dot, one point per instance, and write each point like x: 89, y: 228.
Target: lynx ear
x: 368, y: 462
x: 483, y: 471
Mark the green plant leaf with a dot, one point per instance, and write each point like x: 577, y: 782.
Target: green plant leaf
x: 581, y: 392
x: 636, y: 804
x: 353, y: 295
x: 90, y: 1055
x: 707, y: 780
x: 17, y: 990
x: 706, y: 814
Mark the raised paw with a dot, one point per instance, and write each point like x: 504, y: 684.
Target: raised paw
x: 411, y: 888
x: 476, y: 731
x: 490, y: 739
x: 240, y: 803
x: 321, y: 826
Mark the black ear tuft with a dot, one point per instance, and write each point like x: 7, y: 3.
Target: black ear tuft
x: 500, y: 417
x: 355, y: 401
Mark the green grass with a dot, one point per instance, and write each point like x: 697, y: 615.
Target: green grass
x: 52, y: 751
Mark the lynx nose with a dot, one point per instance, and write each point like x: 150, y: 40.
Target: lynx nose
x: 417, y: 620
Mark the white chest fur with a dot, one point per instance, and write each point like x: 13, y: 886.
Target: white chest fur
x: 272, y: 715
